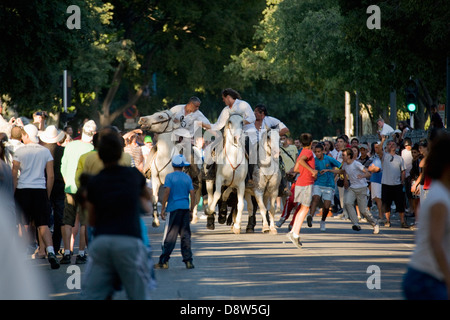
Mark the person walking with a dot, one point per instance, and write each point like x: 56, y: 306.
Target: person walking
x: 392, y: 180
x: 428, y: 274
x: 178, y: 188
x: 113, y: 199
x: 33, y: 187
x: 49, y: 139
x: 69, y: 163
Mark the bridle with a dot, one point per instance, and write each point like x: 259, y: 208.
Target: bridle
x: 169, y: 118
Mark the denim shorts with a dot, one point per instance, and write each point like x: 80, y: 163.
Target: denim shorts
x: 418, y: 285
x: 326, y: 193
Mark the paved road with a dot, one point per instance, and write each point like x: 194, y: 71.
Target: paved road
x: 330, y: 266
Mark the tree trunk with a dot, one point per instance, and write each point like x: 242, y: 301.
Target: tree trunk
x: 105, y: 116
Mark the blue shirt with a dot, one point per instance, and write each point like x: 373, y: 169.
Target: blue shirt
x: 326, y: 179
x: 376, y: 176
x: 180, y: 185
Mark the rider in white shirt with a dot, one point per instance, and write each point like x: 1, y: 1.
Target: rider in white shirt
x: 188, y: 114
x: 234, y: 104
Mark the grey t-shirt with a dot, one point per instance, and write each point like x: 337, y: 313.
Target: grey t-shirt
x: 393, y: 165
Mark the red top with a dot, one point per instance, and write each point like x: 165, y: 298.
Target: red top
x: 305, y: 178
x: 426, y: 183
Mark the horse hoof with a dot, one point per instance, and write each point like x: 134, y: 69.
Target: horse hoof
x: 222, y: 218
x: 250, y: 230
x: 210, y: 223
x: 273, y: 231
x: 194, y: 219
x: 155, y: 224
x: 236, y: 230
x: 265, y: 229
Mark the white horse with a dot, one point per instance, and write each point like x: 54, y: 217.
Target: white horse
x: 267, y: 178
x: 232, y: 168
x: 159, y: 162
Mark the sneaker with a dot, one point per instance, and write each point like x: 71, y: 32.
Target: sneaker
x: 309, y: 220
x: 81, y: 259
x: 295, y: 241
x: 356, y: 228
x: 280, y: 222
x: 189, y: 265
x: 161, y: 265
x: 322, y: 226
x: 405, y: 225
x: 53, y: 261
x: 66, y: 259
x: 376, y: 229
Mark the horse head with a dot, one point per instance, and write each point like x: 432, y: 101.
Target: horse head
x: 234, y: 128
x: 159, y: 122
x: 269, y: 146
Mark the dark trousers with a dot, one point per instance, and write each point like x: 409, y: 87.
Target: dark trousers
x: 58, y: 209
x: 178, y: 224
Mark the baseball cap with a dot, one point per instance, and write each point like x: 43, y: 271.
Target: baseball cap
x: 32, y: 132
x: 179, y: 161
x: 363, y: 145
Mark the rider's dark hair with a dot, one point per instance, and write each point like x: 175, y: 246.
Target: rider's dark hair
x: 232, y: 93
x: 262, y: 108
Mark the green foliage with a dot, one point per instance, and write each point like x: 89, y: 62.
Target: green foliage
x: 37, y: 46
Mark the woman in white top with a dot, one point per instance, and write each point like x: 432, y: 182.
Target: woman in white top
x: 428, y: 275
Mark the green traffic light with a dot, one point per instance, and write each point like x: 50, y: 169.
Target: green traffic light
x: 412, y: 107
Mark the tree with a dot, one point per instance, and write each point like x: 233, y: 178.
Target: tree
x: 37, y: 46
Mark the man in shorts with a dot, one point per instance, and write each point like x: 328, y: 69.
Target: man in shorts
x: 69, y: 162
x: 392, y: 182
x: 324, y: 186
x: 305, y: 166
x: 33, y: 187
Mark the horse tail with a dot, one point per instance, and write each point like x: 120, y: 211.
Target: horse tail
x: 227, y: 193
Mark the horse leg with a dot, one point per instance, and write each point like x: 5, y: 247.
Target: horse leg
x: 273, y: 199
x: 262, y: 209
x: 210, y: 216
x: 251, y: 215
x: 240, y: 208
x: 155, y: 189
x: 212, y: 204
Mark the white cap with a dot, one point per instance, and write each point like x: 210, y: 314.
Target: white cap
x: 32, y: 132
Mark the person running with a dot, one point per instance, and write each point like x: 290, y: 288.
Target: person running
x: 305, y: 166
x: 355, y: 184
x: 178, y: 188
x: 324, y: 186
